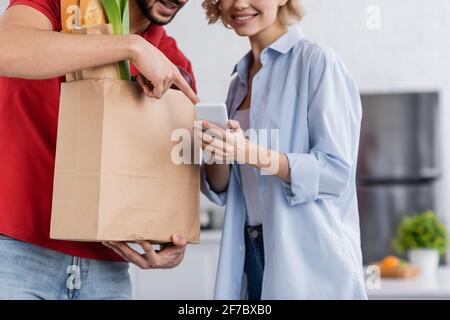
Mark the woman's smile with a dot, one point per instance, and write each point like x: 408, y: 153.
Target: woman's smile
x: 243, y: 19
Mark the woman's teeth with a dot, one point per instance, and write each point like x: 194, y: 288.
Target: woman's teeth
x: 243, y: 18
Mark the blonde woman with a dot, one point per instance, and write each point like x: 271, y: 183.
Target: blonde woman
x: 292, y: 234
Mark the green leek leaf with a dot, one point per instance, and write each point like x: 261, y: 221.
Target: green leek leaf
x: 125, y: 73
x: 117, y: 12
x: 114, y: 15
x: 126, y: 19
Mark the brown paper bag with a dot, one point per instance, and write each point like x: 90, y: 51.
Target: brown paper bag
x: 114, y: 177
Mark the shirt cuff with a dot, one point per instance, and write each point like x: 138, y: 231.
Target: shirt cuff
x: 304, y: 173
x: 218, y: 198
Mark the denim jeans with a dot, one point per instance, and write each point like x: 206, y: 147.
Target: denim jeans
x: 29, y: 272
x: 254, y: 261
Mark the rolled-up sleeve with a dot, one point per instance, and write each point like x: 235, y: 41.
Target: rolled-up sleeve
x: 334, y: 116
x: 218, y: 198
x: 50, y: 8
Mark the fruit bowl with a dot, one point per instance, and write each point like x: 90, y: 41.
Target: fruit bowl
x: 393, y: 267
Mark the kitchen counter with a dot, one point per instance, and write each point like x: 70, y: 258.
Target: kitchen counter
x: 194, y: 278
x: 434, y: 287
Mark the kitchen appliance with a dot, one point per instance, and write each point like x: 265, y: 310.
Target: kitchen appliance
x: 397, y: 165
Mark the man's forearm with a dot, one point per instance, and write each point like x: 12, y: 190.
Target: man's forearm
x: 39, y: 54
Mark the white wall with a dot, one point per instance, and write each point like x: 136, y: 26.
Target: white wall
x: 3, y: 5
x: 213, y: 50
x: 409, y: 53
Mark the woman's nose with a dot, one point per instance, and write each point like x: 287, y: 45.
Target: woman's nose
x: 241, y: 4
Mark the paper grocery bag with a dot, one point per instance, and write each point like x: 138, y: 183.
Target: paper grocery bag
x: 114, y: 176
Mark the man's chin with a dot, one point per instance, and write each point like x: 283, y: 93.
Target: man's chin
x: 160, y: 20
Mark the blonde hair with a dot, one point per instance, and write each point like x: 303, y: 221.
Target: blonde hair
x: 288, y: 14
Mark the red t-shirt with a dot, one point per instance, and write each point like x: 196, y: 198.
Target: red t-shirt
x: 28, y: 127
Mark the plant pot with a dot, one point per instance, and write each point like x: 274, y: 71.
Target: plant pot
x: 426, y: 259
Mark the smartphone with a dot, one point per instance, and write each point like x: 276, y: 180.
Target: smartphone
x: 213, y: 112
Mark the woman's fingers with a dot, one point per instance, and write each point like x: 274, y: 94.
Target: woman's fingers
x: 214, y: 130
x: 220, y: 149
x: 233, y: 124
x: 214, y: 143
x: 223, y: 145
x: 221, y: 153
x: 206, y: 125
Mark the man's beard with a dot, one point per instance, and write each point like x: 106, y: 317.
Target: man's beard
x: 147, y: 11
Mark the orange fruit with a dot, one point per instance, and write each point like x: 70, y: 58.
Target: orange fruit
x: 390, y: 262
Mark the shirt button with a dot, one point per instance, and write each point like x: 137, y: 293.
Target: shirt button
x: 255, y: 234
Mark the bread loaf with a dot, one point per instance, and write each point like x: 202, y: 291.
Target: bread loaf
x: 92, y: 13
x: 110, y: 71
x: 70, y: 15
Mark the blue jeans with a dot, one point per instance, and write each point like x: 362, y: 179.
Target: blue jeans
x: 29, y: 272
x: 254, y: 261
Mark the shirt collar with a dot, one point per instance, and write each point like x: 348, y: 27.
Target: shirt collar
x: 241, y: 68
x: 287, y: 41
x: 282, y: 45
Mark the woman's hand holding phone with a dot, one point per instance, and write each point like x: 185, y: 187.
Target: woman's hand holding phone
x: 225, y: 145
x: 228, y: 145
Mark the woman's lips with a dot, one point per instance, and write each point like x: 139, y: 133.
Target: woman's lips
x: 241, y: 20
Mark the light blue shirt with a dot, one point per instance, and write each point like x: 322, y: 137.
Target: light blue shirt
x: 311, y: 225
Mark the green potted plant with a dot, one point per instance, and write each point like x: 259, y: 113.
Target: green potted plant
x: 424, y: 237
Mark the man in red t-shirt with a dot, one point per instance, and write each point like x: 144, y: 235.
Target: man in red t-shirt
x: 34, y: 57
